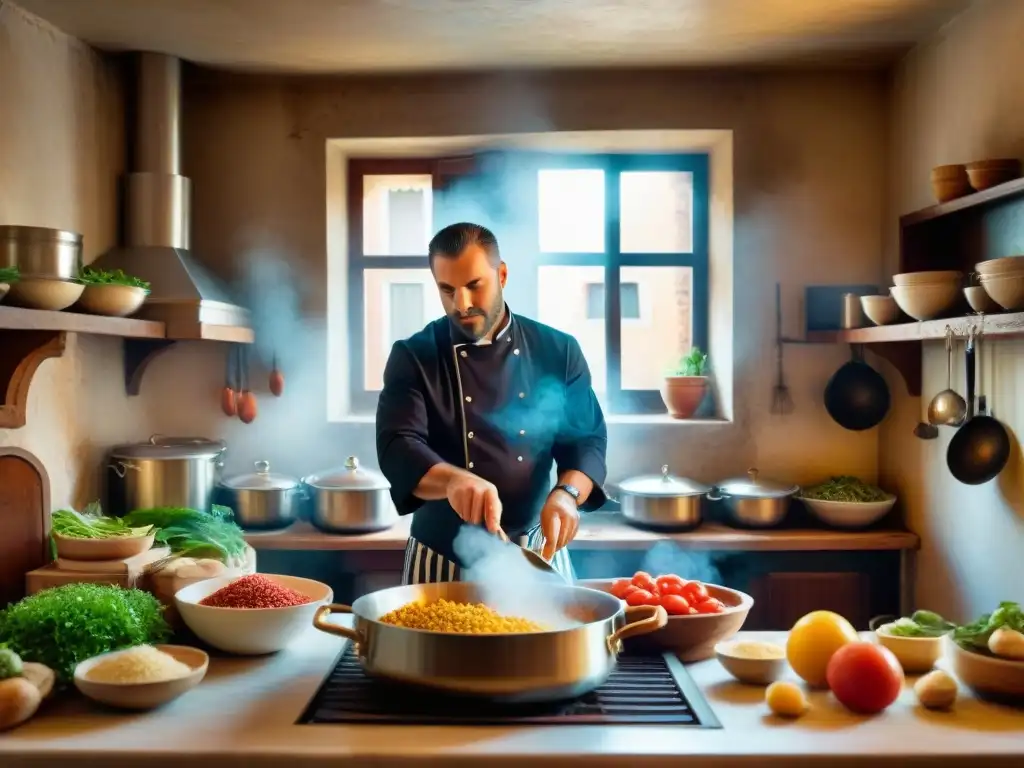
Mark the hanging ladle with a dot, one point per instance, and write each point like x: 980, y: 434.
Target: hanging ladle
x: 947, y: 408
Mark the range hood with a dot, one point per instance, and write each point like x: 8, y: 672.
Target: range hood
x: 192, y: 303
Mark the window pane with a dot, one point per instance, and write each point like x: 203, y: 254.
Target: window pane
x: 396, y: 304
x: 562, y: 297
x: 629, y: 301
x: 397, y: 215
x: 571, y: 210
x: 662, y: 331
x: 656, y: 212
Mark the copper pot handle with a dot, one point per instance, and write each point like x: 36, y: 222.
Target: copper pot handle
x: 656, y: 618
x: 321, y: 623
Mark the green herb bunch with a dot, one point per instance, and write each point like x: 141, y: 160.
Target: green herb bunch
x: 846, y: 488
x: 9, y: 275
x: 63, y: 626
x: 974, y: 636
x: 191, y: 533
x: 91, y: 276
x: 694, y: 364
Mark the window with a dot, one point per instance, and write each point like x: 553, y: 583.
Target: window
x: 610, y: 248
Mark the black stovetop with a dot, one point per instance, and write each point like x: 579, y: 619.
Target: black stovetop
x: 643, y: 690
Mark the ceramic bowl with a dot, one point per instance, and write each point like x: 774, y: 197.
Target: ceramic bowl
x: 849, y: 514
x: 1006, y: 289
x: 44, y: 293
x: 995, y: 267
x: 880, y: 310
x: 752, y: 671
x: 102, y: 549
x: 692, y: 638
x: 916, y: 655
x: 979, y: 300
x: 143, y: 695
x: 989, y: 677
x: 249, y: 631
x: 926, y: 302
x: 4, y: 288
x: 112, y: 300
x: 927, y: 278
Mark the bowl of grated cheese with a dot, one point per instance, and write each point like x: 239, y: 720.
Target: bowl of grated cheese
x: 141, y: 677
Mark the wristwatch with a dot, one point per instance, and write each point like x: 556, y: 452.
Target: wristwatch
x: 572, y: 490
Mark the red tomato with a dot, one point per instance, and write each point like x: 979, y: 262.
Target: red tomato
x: 695, y: 592
x: 711, y: 605
x: 640, y: 597
x: 670, y: 584
x: 644, y: 580
x: 619, y: 587
x: 675, y: 605
x: 693, y: 611
x: 864, y: 677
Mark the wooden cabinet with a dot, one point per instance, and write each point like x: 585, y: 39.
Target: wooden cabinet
x: 780, y: 599
x: 24, y: 521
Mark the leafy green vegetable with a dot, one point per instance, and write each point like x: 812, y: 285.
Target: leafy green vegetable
x: 9, y: 274
x: 91, y: 276
x: 191, y: 533
x: 920, y: 624
x: 694, y: 364
x: 974, y: 636
x: 63, y: 626
x: 10, y: 664
x: 92, y: 524
x: 846, y: 488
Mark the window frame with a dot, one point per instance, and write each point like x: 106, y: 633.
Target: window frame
x: 618, y: 401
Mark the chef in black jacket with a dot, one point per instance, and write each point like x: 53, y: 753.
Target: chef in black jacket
x: 475, y: 409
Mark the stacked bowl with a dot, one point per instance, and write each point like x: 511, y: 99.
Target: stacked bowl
x: 927, y: 295
x: 1003, y: 281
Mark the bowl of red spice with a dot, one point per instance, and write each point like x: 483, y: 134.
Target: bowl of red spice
x: 251, y: 615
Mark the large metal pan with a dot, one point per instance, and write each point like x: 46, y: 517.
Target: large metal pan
x: 574, y: 657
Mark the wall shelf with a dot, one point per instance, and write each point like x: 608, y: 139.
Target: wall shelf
x: 30, y: 336
x: 997, y: 194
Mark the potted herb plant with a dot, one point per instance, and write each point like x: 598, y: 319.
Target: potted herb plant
x: 684, y: 388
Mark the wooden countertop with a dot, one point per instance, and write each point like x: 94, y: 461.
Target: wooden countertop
x: 243, y: 716
x: 609, y: 531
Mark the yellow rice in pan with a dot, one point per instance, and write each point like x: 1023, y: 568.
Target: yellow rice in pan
x: 458, y: 618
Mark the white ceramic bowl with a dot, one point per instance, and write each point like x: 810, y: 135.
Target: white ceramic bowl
x: 916, y: 655
x: 102, y: 549
x: 143, y: 695
x: 988, y: 676
x: 1006, y: 289
x: 880, y: 310
x: 749, y: 670
x: 926, y: 302
x: 979, y: 299
x: 250, y: 631
x: 44, y: 293
x: 112, y: 300
x: 849, y: 514
x: 928, y: 278
x: 1002, y: 266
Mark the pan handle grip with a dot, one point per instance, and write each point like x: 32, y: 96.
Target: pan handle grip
x: 656, y: 618
x: 321, y: 623
x: 970, y: 375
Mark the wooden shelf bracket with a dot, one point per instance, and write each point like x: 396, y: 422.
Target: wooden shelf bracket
x: 138, y: 354
x: 21, y: 354
x: 905, y: 357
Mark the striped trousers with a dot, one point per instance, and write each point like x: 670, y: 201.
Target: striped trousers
x: 425, y: 566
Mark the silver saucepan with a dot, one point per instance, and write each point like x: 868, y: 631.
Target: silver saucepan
x: 662, y: 502
x: 753, y: 502
x: 574, y: 657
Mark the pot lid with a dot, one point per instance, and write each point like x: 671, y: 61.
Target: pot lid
x: 261, y: 480
x: 351, y: 477
x: 753, y: 486
x: 162, y: 447
x: 662, y: 485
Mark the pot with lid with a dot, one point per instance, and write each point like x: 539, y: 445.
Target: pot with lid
x: 263, y: 500
x: 753, y: 502
x: 662, y: 502
x: 163, y: 472
x: 352, y: 499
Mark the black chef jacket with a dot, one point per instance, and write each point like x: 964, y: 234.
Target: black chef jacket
x: 504, y: 410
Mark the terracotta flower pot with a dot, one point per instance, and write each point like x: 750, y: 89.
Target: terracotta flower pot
x: 683, y: 394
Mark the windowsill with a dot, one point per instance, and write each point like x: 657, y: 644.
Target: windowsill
x: 629, y: 419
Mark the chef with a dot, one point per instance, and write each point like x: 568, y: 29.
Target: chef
x: 474, y: 411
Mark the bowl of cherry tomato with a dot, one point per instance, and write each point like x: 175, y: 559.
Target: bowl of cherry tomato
x: 700, y: 615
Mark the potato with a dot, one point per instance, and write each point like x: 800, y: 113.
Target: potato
x: 19, y: 700
x: 41, y: 676
x: 936, y: 690
x: 1007, y: 644
x: 786, y: 699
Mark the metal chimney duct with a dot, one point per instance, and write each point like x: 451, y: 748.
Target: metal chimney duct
x: 184, y: 295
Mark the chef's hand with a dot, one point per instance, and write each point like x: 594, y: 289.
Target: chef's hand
x: 475, y: 500
x: 559, y: 521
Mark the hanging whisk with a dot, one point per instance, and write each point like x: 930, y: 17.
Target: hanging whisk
x: 782, y: 402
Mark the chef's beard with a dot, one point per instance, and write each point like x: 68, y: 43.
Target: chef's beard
x: 491, y: 315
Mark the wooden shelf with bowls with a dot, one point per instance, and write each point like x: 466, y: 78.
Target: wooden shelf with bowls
x: 30, y: 336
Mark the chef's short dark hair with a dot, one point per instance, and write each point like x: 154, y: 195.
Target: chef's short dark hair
x: 451, y: 241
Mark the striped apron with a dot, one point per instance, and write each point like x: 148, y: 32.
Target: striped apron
x: 425, y: 566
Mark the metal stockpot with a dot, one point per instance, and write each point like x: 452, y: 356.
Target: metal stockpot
x: 350, y: 500
x: 574, y: 657
x: 754, y: 503
x: 164, y: 472
x: 262, y: 500
x: 41, y: 251
x: 663, y: 502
